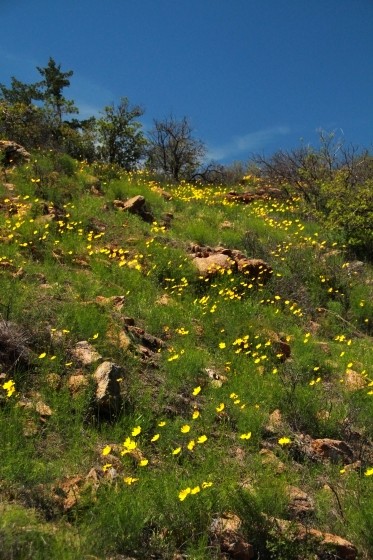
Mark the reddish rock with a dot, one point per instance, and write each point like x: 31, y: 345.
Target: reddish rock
x: 332, y: 449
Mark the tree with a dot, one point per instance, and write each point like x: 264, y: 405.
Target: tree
x: 172, y: 150
x: 120, y: 135
x: 20, y: 92
x: 54, y: 81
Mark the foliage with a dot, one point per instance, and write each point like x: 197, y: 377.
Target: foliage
x: 349, y: 208
x: 121, y: 140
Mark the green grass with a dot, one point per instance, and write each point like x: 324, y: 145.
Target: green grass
x: 218, y: 375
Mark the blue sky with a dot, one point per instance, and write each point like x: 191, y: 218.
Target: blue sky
x: 252, y: 76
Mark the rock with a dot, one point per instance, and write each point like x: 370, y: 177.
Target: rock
x: 355, y: 267
x: 255, y: 268
x: 108, y: 396
x: 353, y: 380
x: 13, y: 153
x: 217, y: 379
x: 226, y: 225
x: 116, y: 301
x: 209, y: 261
x: 66, y: 493
x: 332, y: 449
x: 305, y: 447
x: 43, y: 409
x: 270, y: 459
x: 33, y: 401
x: 300, y: 503
x: 210, y: 265
x: 118, y: 338
x: 151, y: 342
x: 135, y: 205
x: 225, y: 533
x: 275, y: 423
x: 77, y: 383
x: 85, y: 353
x: 164, y: 299
x: 323, y: 543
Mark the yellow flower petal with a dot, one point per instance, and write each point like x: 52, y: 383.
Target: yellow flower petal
x: 184, y: 493
x: 284, y: 441
x: 106, y: 450
x: 176, y: 451
x: 245, y: 436
x: 130, y: 480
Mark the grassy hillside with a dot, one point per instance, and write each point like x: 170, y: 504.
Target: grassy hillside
x: 152, y: 410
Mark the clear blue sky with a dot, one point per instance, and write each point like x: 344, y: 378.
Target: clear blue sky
x: 251, y: 75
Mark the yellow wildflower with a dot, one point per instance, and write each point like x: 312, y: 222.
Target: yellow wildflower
x: 284, y: 441
x: 245, y: 436
x: 130, y: 480
x: 136, y: 431
x: 176, y: 451
x: 184, y: 493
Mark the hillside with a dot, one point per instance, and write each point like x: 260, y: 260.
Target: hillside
x: 186, y: 372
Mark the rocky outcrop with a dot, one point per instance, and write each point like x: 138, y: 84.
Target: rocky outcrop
x: 209, y: 261
x: 12, y: 153
x: 108, y: 398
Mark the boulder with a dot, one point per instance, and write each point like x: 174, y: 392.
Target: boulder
x: 213, y: 263
x: 135, y: 205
